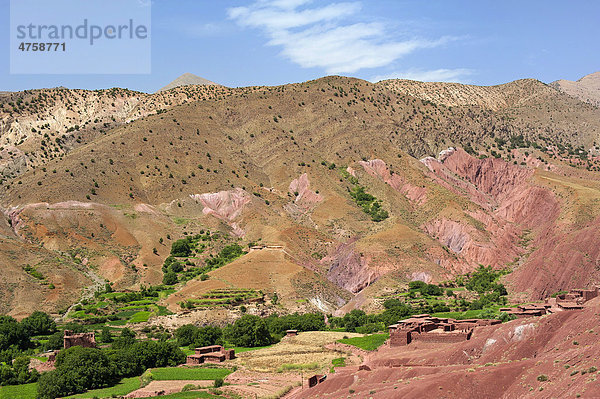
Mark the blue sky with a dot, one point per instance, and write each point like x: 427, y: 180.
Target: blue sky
x: 270, y: 42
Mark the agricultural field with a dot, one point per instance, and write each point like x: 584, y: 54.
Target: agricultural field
x: 120, y: 308
x: 367, y: 342
x: 224, y: 297
x: 26, y: 391
x: 183, y: 373
x: 306, y: 351
x: 124, y: 387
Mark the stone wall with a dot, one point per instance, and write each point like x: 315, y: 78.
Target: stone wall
x: 87, y: 340
x: 400, y: 337
x: 445, y: 337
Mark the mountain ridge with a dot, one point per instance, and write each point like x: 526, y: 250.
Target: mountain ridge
x: 186, y: 79
x: 586, y: 88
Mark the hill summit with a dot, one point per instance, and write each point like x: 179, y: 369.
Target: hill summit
x: 586, y: 89
x: 187, y: 79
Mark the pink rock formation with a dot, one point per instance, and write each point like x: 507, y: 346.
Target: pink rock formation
x: 378, y: 168
x: 305, y: 198
x: 349, y: 269
x: 225, y: 205
x: 420, y: 276
x: 561, y: 255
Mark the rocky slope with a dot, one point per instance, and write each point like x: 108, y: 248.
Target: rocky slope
x: 586, y: 89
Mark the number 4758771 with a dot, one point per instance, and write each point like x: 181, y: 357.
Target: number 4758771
x: 42, y: 46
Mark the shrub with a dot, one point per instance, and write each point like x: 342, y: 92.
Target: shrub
x: 181, y: 248
x: 218, y: 382
x: 188, y: 387
x: 170, y: 278
x: 542, y: 377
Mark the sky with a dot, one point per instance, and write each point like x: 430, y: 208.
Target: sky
x: 272, y: 42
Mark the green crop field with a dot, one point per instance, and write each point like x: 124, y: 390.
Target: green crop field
x: 140, y: 317
x: 122, y: 388
x: 182, y: 373
x: 368, y: 342
x: 26, y: 391
x: 471, y: 314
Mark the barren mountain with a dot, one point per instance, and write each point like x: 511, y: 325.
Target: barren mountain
x: 279, y: 165
x: 586, y: 89
x: 187, y: 79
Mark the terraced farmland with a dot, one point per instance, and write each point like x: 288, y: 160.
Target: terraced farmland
x: 224, y: 297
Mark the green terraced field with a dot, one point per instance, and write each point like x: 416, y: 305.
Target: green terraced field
x: 182, y: 373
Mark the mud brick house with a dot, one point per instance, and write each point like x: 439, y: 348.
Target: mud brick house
x: 426, y: 328
x: 578, y: 296
x: 291, y: 333
x: 526, y: 310
x: 87, y: 340
x: 572, y: 300
x: 210, y: 354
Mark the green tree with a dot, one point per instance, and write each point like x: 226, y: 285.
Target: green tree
x: 39, y: 323
x: 126, y: 339
x: 208, y: 335
x: 170, y: 278
x: 13, y: 334
x: 181, y: 248
x: 77, y: 370
x: 106, y: 335
x: 249, y: 331
x: 55, y: 341
x: 186, y: 334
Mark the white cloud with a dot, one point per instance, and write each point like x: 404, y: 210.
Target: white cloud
x: 322, y: 36
x: 437, y: 75
x: 279, y: 15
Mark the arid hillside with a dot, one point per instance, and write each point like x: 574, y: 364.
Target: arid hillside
x: 356, y: 188
x: 586, y: 89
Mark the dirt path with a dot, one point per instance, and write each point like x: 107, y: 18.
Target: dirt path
x: 98, y: 284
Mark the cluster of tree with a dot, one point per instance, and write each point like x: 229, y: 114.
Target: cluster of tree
x: 425, y: 289
x: 369, y: 204
x: 194, y: 337
x: 278, y: 325
x: 249, y: 330
x: 226, y: 255
x: 173, y: 267
x: 358, y: 321
x: 361, y: 322
x: 16, y: 345
x: 170, y: 268
x: 79, y: 369
x: 182, y: 248
x: 15, y: 337
x: 484, y: 280
x: 17, y: 372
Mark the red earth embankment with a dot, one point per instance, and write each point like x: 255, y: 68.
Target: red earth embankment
x: 553, y: 356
